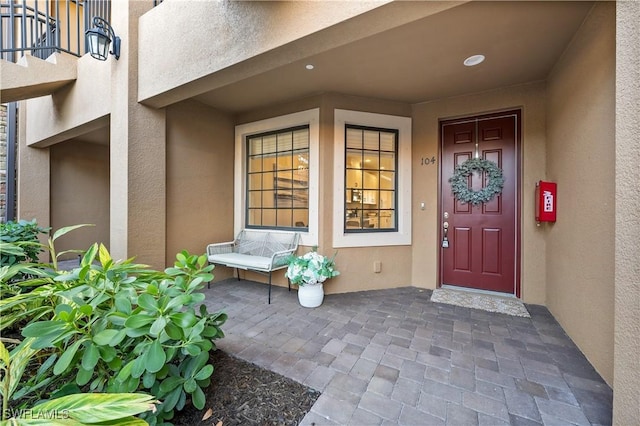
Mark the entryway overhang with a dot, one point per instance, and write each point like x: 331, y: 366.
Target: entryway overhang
x: 408, y: 52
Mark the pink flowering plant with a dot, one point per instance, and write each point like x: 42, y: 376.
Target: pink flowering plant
x: 311, y: 268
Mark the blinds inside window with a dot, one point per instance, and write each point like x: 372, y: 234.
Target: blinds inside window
x: 270, y: 144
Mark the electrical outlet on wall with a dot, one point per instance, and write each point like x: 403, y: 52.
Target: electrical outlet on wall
x: 377, y: 266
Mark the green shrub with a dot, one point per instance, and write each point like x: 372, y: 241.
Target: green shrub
x: 119, y: 327
x: 24, y: 234
x: 85, y: 409
x: 19, y: 245
x: 22, y: 298
x: 117, y: 409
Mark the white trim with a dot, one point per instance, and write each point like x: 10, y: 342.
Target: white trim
x: 403, y: 235
x: 310, y: 117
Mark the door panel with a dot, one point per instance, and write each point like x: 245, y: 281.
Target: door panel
x: 494, y: 206
x: 463, y: 256
x: 491, y: 251
x: 482, y: 250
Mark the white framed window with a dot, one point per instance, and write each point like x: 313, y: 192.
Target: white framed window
x: 278, y: 179
x: 378, y: 214
x: 276, y: 174
x: 371, y: 179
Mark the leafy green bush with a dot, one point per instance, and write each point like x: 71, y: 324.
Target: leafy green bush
x: 18, y: 245
x: 22, y: 298
x: 113, y: 409
x: 25, y: 235
x: 120, y: 327
x: 82, y: 408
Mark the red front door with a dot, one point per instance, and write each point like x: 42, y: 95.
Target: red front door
x: 481, y: 250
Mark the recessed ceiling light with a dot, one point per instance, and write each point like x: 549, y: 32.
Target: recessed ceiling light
x: 309, y: 66
x: 474, y: 60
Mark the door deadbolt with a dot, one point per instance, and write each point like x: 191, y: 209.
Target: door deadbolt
x: 446, y: 215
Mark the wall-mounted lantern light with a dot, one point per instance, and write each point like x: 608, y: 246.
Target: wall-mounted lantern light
x: 99, y: 37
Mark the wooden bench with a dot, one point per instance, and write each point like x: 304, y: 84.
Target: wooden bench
x: 262, y: 251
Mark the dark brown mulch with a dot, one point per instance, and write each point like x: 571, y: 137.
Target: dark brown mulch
x: 242, y: 393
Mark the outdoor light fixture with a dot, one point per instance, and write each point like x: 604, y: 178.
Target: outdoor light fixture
x: 99, y: 37
x: 474, y: 60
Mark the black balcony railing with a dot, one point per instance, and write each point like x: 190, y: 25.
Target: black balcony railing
x: 41, y: 27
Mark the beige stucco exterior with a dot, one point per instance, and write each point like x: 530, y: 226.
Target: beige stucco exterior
x: 80, y: 193
x: 138, y: 180
x: 199, y: 162
x: 163, y: 178
x: 24, y: 78
x: 626, y: 344
x: 245, y: 32
x: 580, y: 138
x: 74, y: 110
x: 354, y: 262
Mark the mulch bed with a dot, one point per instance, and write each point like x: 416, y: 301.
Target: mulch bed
x: 242, y: 393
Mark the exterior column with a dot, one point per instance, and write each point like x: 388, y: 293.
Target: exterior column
x: 137, y: 152
x: 33, y: 179
x: 626, y: 379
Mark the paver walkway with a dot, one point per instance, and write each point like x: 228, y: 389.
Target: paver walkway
x: 391, y: 356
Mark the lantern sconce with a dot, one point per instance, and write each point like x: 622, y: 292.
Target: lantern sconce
x: 99, y: 37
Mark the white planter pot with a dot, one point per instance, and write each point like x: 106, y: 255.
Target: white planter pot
x: 311, y: 295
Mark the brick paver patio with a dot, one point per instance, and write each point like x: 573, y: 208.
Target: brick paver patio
x: 392, y: 356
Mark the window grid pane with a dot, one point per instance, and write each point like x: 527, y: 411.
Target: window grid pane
x: 278, y: 179
x: 370, y: 179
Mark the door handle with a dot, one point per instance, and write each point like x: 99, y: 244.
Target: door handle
x: 445, y: 231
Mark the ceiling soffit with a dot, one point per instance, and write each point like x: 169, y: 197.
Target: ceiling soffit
x: 423, y: 60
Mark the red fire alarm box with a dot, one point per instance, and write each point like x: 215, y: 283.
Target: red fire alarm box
x: 546, y: 201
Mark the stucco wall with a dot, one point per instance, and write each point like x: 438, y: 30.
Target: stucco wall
x: 73, y: 110
x: 80, y: 193
x: 251, y: 38
x: 530, y: 98
x: 355, y: 264
x: 243, y: 30
x: 32, y: 188
x: 199, y: 179
x: 626, y: 381
x: 417, y: 265
x: 580, y: 158
x: 137, y: 149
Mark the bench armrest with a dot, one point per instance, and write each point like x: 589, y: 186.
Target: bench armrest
x: 219, y: 248
x: 279, y: 258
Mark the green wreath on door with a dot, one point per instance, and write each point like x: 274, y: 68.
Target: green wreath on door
x: 460, y: 182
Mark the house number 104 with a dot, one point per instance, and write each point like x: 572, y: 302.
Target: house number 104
x: 425, y: 161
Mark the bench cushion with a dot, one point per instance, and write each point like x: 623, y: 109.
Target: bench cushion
x: 242, y: 261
